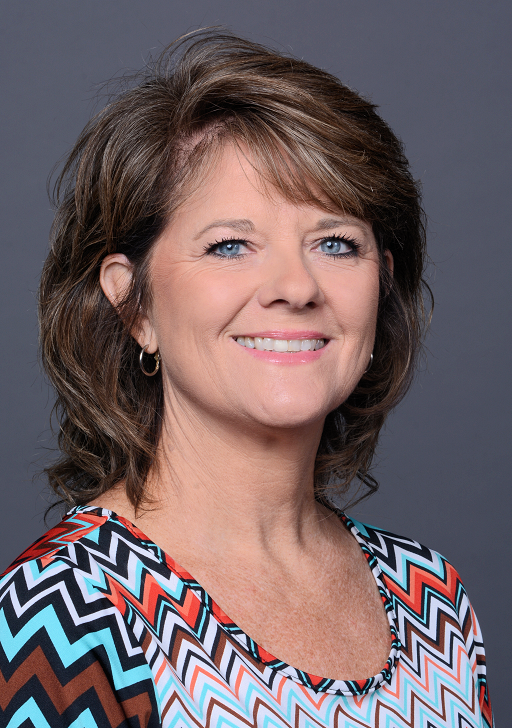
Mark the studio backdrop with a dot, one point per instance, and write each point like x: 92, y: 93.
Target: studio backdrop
x: 440, y: 73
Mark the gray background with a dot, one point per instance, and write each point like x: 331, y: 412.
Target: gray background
x: 440, y: 72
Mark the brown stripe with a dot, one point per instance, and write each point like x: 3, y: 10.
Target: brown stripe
x: 63, y: 696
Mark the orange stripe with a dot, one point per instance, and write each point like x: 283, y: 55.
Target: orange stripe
x: 418, y: 579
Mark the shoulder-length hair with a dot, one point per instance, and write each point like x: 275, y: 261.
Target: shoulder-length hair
x: 315, y: 141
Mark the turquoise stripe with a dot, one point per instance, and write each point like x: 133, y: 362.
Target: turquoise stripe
x: 70, y: 652
x: 28, y: 711
x: 84, y: 720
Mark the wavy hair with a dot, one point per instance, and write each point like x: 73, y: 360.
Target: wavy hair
x: 315, y: 141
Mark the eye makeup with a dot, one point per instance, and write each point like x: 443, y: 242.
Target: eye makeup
x: 231, y: 246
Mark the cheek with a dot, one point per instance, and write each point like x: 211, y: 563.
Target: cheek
x: 357, y: 302
x: 195, y: 305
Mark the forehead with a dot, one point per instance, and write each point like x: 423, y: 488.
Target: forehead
x: 233, y: 198
x: 231, y: 177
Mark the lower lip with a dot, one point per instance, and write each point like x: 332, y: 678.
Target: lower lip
x: 275, y: 357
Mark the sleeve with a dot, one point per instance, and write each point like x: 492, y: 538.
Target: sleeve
x: 476, y: 652
x: 67, y: 656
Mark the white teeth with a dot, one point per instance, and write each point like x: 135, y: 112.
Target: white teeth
x: 268, y: 344
x: 280, y: 345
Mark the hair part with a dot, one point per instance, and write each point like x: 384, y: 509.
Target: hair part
x: 314, y: 141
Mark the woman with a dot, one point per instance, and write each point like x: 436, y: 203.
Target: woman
x: 231, y: 306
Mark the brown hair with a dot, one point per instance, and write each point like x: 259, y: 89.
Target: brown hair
x: 127, y: 174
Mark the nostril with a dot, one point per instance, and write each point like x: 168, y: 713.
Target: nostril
x: 283, y: 301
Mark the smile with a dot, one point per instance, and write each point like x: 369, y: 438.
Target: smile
x: 280, y: 345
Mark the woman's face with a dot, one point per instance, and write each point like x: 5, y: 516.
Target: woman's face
x: 238, y: 276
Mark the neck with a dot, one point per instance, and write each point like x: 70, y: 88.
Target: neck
x: 232, y: 488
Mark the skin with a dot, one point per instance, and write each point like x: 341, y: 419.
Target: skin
x: 232, y: 490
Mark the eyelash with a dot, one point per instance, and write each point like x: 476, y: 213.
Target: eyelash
x: 211, y: 249
x: 354, y: 245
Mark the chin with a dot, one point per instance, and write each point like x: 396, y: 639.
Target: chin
x: 292, y: 416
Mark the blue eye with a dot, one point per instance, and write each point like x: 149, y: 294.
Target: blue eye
x: 228, y: 249
x: 339, y: 246
x: 334, y: 247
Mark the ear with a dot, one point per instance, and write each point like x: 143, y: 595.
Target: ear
x: 388, y: 257
x: 116, y: 275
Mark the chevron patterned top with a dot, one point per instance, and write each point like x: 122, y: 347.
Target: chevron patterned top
x: 99, y: 627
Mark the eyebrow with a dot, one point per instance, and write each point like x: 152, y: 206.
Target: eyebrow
x: 327, y: 223
x: 242, y: 226
x: 247, y: 226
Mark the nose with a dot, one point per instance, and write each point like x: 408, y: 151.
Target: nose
x: 287, y: 281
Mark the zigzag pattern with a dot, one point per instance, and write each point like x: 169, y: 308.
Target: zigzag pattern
x: 99, y: 627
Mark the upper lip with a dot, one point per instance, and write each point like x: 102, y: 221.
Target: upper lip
x: 286, y: 335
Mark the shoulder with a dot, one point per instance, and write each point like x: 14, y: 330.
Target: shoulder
x: 73, y: 527
x: 426, y: 591
x: 431, y: 605
x: 400, y: 557
x: 415, y: 575
x: 59, y: 562
x: 63, y: 630
x: 88, y: 532
x: 83, y: 559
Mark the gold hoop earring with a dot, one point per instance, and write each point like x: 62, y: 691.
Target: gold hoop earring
x: 369, y: 364
x: 156, y: 357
